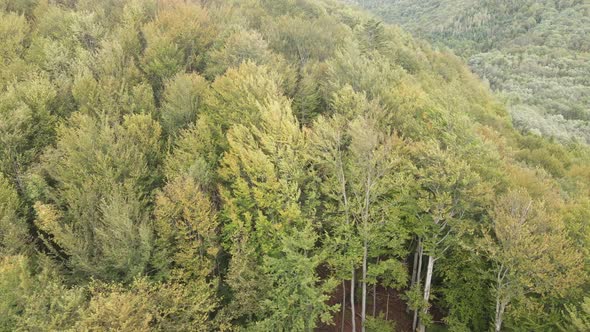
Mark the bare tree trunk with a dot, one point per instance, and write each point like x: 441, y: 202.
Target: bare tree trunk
x: 427, y: 285
x: 352, y: 308
x: 343, y: 305
x: 414, y: 269
x: 500, y: 303
x: 415, y: 265
x: 419, y: 249
x: 415, y: 320
x: 365, y: 250
x: 500, y: 307
x: 364, y: 285
x: 387, y: 305
x: 374, y: 298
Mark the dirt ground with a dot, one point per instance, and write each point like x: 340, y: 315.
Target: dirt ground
x: 396, y: 312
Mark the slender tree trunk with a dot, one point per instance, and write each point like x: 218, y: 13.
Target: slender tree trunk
x: 419, y: 249
x: 500, y: 303
x: 427, y: 284
x: 387, y: 305
x: 365, y: 249
x: 415, y: 320
x: 414, y: 269
x: 352, y: 308
x: 374, y: 298
x: 343, y: 306
x: 415, y: 265
x: 500, y: 307
x: 364, y: 285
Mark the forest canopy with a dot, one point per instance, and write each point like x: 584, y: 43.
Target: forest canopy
x: 271, y: 165
x: 534, y: 53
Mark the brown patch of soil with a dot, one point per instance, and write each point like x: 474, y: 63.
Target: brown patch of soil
x: 397, y: 310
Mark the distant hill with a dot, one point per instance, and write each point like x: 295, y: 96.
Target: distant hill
x: 534, y: 53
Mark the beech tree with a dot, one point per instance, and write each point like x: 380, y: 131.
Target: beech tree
x: 186, y: 227
x: 237, y: 47
x: 580, y: 319
x: 101, y: 225
x: 146, y: 306
x: 235, y: 96
x: 445, y: 187
x: 14, y: 233
x: 266, y: 206
x: 531, y: 252
x: 272, y: 165
x: 175, y: 40
x: 183, y: 101
x: 26, y: 125
x: 359, y: 159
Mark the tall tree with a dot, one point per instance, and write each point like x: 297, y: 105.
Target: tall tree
x: 265, y: 206
x: 27, y: 125
x: 98, y: 178
x: 186, y: 244
x: 357, y: 156
x: 530, y: 251
x: 447, y: 186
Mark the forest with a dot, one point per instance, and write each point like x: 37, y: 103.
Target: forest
x: 274, y: 165
x: 534, y: 53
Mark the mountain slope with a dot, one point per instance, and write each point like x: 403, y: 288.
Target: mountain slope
x: 536, y: 54
x: 270, y: 165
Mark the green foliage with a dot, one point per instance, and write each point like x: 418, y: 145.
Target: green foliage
x: 186, y: 230
x: 580, y: 319
x: 236, y: 96
x: 531, y: 255
x: 26, y: 123
x: 267, y: 225
x: 183, y: 98
x: 35, y: 298
x: 14, y: 237
x: 196, y: 153
x: 102, y: 172
x: 534, y: 53
x: 147, y: 307
x: 296, y: 303
x: 239, y: 46
x: 379, y: 324
x: 468, y: 311
x: 225, y: 165
x: 174, y: 41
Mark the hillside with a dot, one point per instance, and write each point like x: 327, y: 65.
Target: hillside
x: 536, y: 54
x: 271, y: 165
